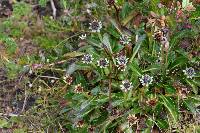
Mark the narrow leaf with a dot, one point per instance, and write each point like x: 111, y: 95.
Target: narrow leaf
x: 137, y: 46
x: 170, y: 105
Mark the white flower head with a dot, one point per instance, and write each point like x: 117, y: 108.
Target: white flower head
x: 121, y: 62
x: 68, y: 79
x: 89, y: 11
x: 30, y: 71
x: 126, y: 85
x: 125, y: 39
x: 146, y: 80
x: 52, y: 81
x: 132, y: 120
x: 87, y: 58
x: 189, y: 72
x: 95, y: 26
x: 83, y: 36
x: 30, y: 85
x: 159, y: 60
x: 103, y: 62
x: 78, y: 88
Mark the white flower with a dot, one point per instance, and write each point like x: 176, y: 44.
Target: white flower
x: 30, y: 85
x: 52, y: 81
x: 95, y: 26
x: 126, y: 85
x: 88, y: 11
x: 124, y: 39
x: 78, y: 88
x: 87, y: 58
x: 132, y: 120
x: 146, y: 80
x: 103, y: 63
x: 30, y: 71
x: 68, y: 79
x: 189, y: 72
x: 47, y: 60
x: 121, y: 62
x: 83, y: 36
x: 159, y: 60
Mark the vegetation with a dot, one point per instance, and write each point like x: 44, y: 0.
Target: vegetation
x: 100, y: 66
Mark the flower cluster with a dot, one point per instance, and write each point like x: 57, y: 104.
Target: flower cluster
x: 126, y: 85
x: 146, y: 80
x: 189, y: 72
x: 83, y: 36
x: 152, y: 102
x: 161, y: 35
x: 132, y: 120
x: 125, y: 39
x: 95, y: 26
x: 182, y: 90
x: 122, y: 62
x: 103, y: 62
x: 78, y: 89
x: 87, y: 58
x: 68, y: 79
x: 79, y: 124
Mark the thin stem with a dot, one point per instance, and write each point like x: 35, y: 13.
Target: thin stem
x: 53, y: 8
x: 25, y: 100
x: 110, y: 89
x: 166, y: 59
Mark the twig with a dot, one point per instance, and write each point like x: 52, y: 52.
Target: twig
x: 25, y: 101
x: 61, y: 127
x: 49, y: 77
x: 53, y: 8
x: 10, y: 114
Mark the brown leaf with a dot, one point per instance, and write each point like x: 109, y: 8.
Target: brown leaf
x: 137, y: 20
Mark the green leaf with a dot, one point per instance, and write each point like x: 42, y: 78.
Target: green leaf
x: 195, y: 98
x: 94, y: 42
x: 42, y: 3
x: 3, y: 123
x: 73, y: 54
x: 152, y: 68
x: 128, y: 18
x: 125, y: 9
x: 186, y: 3
x: 170, y: 89
x: 193, y: 85
x: 163, y: 124
x: 135, y: 69
x: 172, y: 108
x: 137, y: 46
x: 112, y: 31
x: 113, y: 22
x: 20, y: 131
x: 107, y: 42
x: 189, y: 104
x: 179, y: 61
x: 10, y: 44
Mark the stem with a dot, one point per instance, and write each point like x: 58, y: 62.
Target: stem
x: 100, y: 37
x: 166, y: 59
x: 163, y: 59
x: 117, y: 14
x: 53, y: 8
x: 110, y: 89
x: 25, y: 100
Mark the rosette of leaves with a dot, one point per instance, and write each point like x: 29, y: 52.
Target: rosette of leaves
x: 102, y: 106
